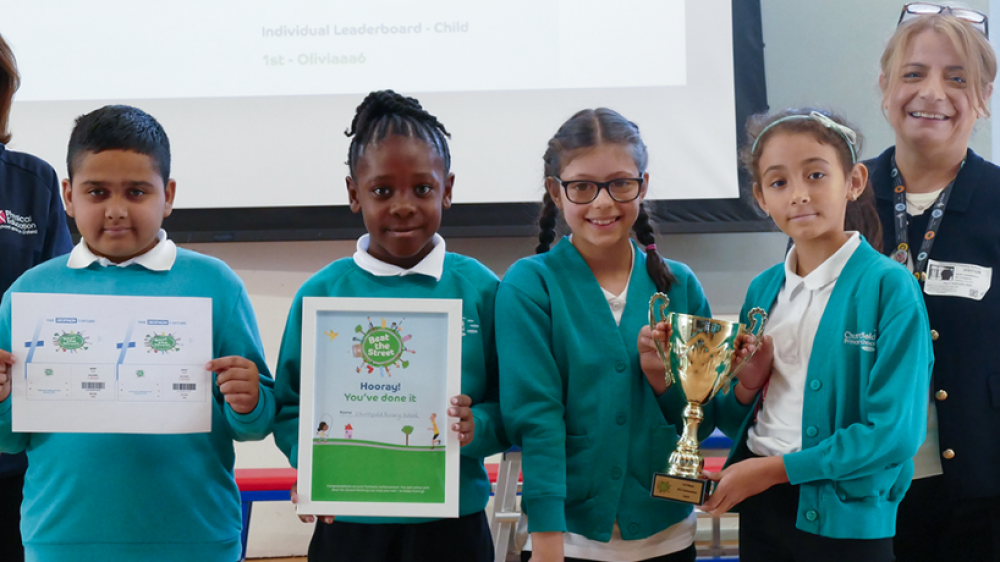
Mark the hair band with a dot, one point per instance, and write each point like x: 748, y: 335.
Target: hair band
x: 843, y: 130
x: 651, y: 247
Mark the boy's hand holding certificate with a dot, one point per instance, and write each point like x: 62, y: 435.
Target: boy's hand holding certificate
x: 238, y: 381
x: 6, y: 362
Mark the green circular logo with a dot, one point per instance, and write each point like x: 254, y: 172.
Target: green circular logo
x: 71, y: 342
x: 381, y: 347
x: 164, y: 342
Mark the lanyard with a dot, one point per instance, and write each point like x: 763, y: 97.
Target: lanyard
x: 902, y: 222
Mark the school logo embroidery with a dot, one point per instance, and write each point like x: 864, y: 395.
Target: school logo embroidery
x: 19, y: 224
x: 865, y: 339
x: 381, y: 347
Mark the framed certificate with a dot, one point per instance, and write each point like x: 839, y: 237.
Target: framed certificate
x: 377, y: 377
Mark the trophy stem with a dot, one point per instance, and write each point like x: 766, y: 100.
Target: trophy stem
x: 685, y: 460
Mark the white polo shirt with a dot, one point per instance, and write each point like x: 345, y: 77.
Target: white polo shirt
x: 793, y: 322
x: 432, y: 265
x: 160, y: 257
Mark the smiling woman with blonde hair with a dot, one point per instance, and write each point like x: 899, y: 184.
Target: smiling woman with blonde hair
x: 938, y: 200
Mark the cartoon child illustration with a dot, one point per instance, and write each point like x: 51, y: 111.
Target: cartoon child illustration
x: 437, y: 432
x: 348, y: 432
x: 321, y: 430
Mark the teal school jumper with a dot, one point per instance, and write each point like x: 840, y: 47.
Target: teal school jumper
x: 462, y: 278
x: 575, y: 399
x: 156, y: 498
x: 865, y: 409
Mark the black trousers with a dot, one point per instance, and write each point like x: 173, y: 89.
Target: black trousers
x: 768, y: 534
x: 687, y: 555
x: 931, y: 526
x: 466, y: 539
x: 10, y: 518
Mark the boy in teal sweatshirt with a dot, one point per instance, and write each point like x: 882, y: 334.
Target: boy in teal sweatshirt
x: 156, y: 498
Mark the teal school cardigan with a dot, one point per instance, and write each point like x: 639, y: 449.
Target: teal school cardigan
x: 574, y: 398
x: 864, y: 413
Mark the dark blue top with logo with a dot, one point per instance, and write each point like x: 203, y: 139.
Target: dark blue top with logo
x: 32, y: 230
x: 964, y: 369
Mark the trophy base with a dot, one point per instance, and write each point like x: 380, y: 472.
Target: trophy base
x: 694, y: 491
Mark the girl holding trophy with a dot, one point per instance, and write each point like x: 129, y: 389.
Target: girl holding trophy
x: 573, y: 396
x: 820, y: 468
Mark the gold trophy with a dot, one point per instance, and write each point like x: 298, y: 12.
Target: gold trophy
x: 700, y: 356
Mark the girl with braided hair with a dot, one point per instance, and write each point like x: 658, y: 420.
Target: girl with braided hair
x: 400, y: 181
x: 593, y: 431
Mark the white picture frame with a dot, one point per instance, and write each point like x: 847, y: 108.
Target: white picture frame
x: 382, y: 363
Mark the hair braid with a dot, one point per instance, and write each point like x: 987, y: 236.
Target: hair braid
x: 657, y: 269
x: 547, y: 224
x: 384, y: 113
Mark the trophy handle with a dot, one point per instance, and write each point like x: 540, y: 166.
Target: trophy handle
x: 756, y: 329
x: 657, y: 314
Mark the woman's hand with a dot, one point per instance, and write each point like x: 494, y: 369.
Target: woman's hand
x: 649, y: 359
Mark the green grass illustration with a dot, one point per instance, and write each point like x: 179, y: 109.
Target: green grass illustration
x: 369, y: 471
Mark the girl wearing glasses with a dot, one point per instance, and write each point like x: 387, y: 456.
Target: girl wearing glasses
x: 592, y: 430
x: 938, y: 201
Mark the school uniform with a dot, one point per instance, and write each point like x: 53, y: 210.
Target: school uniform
x: 953, y: 510
x: 440, y: 275
x: 848, y: 443
x: 575, y: 399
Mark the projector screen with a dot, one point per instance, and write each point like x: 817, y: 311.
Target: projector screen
x: 255, y: 96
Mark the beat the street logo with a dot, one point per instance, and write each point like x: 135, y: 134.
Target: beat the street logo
x: 380, y: 347
x: 865, y: 339
x: 19, y: 224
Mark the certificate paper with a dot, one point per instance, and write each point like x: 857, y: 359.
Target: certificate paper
x: 377, y: 377
x: 111, y: 364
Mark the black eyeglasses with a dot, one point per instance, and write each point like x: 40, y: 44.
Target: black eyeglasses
x: 917, y: 9
x: 582, y: 192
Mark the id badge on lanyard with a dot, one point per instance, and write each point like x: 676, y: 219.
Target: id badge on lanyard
x: 901, y: 223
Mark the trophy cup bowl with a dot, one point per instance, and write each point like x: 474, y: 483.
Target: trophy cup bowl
x: 699, y: 357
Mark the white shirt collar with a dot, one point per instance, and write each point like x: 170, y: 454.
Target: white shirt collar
x: 432, y: 265
x: 826, y: 273
x: 160, y: 257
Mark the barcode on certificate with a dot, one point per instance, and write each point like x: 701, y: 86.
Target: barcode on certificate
x: 185, y: 386
x: 93, y: 386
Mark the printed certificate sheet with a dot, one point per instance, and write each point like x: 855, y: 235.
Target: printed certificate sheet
x: 377, y: 377
x: 111, y: 364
